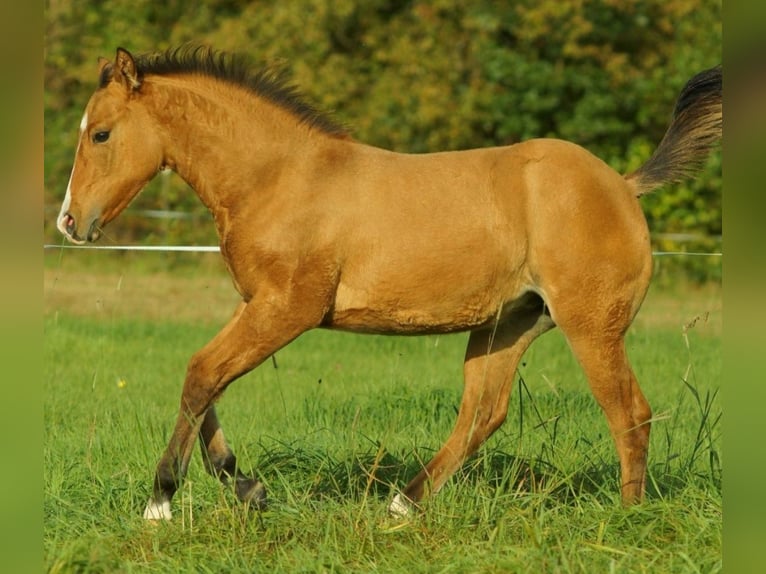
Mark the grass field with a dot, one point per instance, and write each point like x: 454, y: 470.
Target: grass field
x: 339, y: 422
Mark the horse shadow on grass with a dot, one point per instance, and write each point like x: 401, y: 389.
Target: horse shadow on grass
x: 380, y: 475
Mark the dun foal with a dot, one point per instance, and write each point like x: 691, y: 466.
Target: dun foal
x: 319, y: 230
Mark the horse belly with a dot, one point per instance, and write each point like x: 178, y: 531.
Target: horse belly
x: 424, y: 302
x: 385, y: 319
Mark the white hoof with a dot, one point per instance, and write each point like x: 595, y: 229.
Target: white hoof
x: 399, y: 506
x: 156, y: 511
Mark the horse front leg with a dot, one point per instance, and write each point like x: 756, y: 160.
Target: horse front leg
x: 257, y: 330
x: 220, y: 462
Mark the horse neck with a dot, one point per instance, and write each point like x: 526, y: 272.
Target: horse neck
x: 218, y: 145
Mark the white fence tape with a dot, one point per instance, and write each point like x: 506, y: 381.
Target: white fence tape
x: 187, y: 248
x: 692, y: 253
x: 216, y: 249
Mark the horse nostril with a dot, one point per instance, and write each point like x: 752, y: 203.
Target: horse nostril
x: 94, y: 232
x: 69, y: 224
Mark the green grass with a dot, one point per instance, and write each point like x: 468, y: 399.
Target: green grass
x: 343, y: 421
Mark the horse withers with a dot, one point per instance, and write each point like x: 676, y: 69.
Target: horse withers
x: 319, y: 230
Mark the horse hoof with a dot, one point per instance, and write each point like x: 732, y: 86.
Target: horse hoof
x: 252, y: 492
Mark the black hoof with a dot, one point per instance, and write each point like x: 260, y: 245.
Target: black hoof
x: 251, y: 492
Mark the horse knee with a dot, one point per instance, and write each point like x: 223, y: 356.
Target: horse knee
x: 642, y: 411
x: 497, y: 419
x: 197, y: 371
x: 201, y: 385
x: 486, y: 425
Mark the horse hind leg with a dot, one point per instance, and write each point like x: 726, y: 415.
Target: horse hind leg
x: 596, y: 334
x: 489, y: 368
x: 219, y: 461
x: 615, y: 387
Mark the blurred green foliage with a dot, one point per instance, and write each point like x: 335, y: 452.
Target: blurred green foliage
x: 416, y: 76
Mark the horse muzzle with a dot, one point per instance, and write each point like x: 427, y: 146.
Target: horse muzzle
x: 68, y: 226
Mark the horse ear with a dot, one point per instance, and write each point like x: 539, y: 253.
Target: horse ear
x: 104, y: 72
x: 125, y: 70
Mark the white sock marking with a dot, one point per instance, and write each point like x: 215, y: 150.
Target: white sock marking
x: 399, y: 507
x: 156, y: 511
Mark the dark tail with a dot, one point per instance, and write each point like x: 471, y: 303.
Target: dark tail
x: 694, y: 130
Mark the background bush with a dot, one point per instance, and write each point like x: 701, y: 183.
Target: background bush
x: 417, y: 77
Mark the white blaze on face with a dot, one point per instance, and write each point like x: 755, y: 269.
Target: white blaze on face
x: 60, y: 223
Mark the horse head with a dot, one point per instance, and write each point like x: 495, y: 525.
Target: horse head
x: 118, y: 151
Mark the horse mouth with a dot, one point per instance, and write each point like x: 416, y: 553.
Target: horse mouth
x: 68, y: 226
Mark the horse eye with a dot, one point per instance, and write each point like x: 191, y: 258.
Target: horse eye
x: 100, y: 137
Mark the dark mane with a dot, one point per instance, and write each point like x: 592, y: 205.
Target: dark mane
x: 270, y: 82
